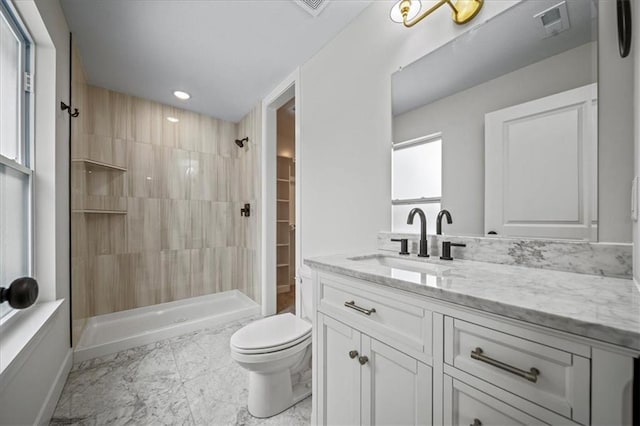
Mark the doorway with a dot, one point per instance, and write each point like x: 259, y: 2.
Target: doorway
x: 286, y: 208
x: 281, y: 194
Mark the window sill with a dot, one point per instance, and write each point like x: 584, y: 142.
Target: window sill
x: 20, y: 334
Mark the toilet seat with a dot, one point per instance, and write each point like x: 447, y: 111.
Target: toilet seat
x: 271, y: 334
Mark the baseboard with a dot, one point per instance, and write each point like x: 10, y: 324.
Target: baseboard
x: 49, y: 406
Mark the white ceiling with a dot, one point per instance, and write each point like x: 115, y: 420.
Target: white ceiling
x: 501, y: 45
x: 227, y: 54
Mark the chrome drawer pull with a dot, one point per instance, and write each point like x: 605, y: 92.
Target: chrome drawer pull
x: 353, y: 306
x: 476, y: 422
x: 531, y: 375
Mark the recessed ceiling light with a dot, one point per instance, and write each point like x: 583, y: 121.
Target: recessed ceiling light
x: 173, y: 119
x: 181, y: 95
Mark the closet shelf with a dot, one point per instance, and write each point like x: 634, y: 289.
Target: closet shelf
x: 282, y: 220
x: 282, y: 265
x: 282, y: 245
x: 282, y: 201
x: 282, y: 180
x: 99, y: 164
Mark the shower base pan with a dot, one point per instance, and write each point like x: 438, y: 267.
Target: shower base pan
x: 111, y: 333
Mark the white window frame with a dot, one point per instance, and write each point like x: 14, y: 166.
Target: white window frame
x: 434, y: 137
x: 24, y: 164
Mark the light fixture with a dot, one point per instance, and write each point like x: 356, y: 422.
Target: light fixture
x: 407, y: 12
x: 172, y: 119
x: 181, y: 95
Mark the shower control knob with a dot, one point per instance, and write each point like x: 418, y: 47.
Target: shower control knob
x: 21, y: 294
x: 353, y: 354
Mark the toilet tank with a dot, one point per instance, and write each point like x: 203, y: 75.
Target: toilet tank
x: 306, y: 294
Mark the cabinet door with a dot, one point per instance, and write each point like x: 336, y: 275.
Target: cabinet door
x: 396, y: 389
x: 339, y: 379
x: 464, y: 405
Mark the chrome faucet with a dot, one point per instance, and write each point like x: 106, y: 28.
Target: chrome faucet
x: 423, y: 230
x: 446, y: 213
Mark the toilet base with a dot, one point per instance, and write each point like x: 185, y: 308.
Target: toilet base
x: 273, y: 393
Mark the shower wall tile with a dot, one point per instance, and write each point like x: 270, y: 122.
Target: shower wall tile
x: 169, y: 135
x: 99, y: 148
x: 143, y: 225
x: 223, y: 178
x: 156, y: 123
x: 144, y: 170
x: 176, y: 174
x: 199, y: 210
x: 175, y: 267
x: 140, y: 120
x: 185, y: 183
x: 203, y: 176
x: 106, y: 234
x: 226, y: 136
x: 189, y: 131
x: 79, y: 238
x: 205, y: 276
x: 98, y: 112
x: 175, y: 224
x: 208, y: 140
x: 217, y: 224
x: 120, y: 152
x: 145, y: 276
x: 111, y: 289
x: 120, y: 109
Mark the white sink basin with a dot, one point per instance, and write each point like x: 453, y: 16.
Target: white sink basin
x: 404, y: 264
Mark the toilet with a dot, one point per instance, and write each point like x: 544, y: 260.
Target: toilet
x: 276, y: 351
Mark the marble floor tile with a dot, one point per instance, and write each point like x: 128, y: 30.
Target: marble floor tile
x: 187, y: 380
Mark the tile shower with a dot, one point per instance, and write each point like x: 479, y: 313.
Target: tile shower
x: 156, y: 204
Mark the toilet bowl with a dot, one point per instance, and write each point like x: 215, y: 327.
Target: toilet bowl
x: 277, y: 352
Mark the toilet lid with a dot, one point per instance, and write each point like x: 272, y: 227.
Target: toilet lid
x: 274, y: 331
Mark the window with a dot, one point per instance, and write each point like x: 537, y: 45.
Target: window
x: 416, y: 181
x: 16, y: 173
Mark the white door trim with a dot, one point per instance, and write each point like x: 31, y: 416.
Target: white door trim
x: 281, y: 94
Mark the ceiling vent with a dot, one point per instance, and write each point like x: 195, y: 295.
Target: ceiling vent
x: 554, y: 20
x: 312, y: 7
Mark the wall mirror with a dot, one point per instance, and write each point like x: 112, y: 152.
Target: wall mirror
x: 499, y: 126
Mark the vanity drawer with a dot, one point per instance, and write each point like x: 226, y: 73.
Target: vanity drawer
x: 384, y: 315
x: 467, y: 406
x: 555, y: 379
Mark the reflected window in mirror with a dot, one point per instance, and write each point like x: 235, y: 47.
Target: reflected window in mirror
x: 416, y: 181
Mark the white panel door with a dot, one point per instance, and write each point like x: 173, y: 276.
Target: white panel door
x: 339, y: 375
x: 396, y: 389
x: 540, y: 159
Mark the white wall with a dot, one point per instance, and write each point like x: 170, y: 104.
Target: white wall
x: 460, y: 118
x: 346, y: 124
x: 32, y: 394
x: 635, y: 46
x: 615, y: 129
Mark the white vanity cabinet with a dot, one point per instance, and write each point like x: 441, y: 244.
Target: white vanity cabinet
x: 368, y: 382
x: 384, y: 356
x: 373, y: 348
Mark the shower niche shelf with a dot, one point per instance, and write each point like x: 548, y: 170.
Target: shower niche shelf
x: 98, y: 164
x: 98, y: 188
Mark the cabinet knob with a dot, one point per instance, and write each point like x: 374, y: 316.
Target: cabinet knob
x: 476, y: 422
x: 353, y: 354
x: 363, y: 360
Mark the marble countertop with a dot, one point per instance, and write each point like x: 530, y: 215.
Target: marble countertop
x: 601, y: 308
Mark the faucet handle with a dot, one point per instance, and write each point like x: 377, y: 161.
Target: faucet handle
x: 446, y: 249
x: 404, y: 245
